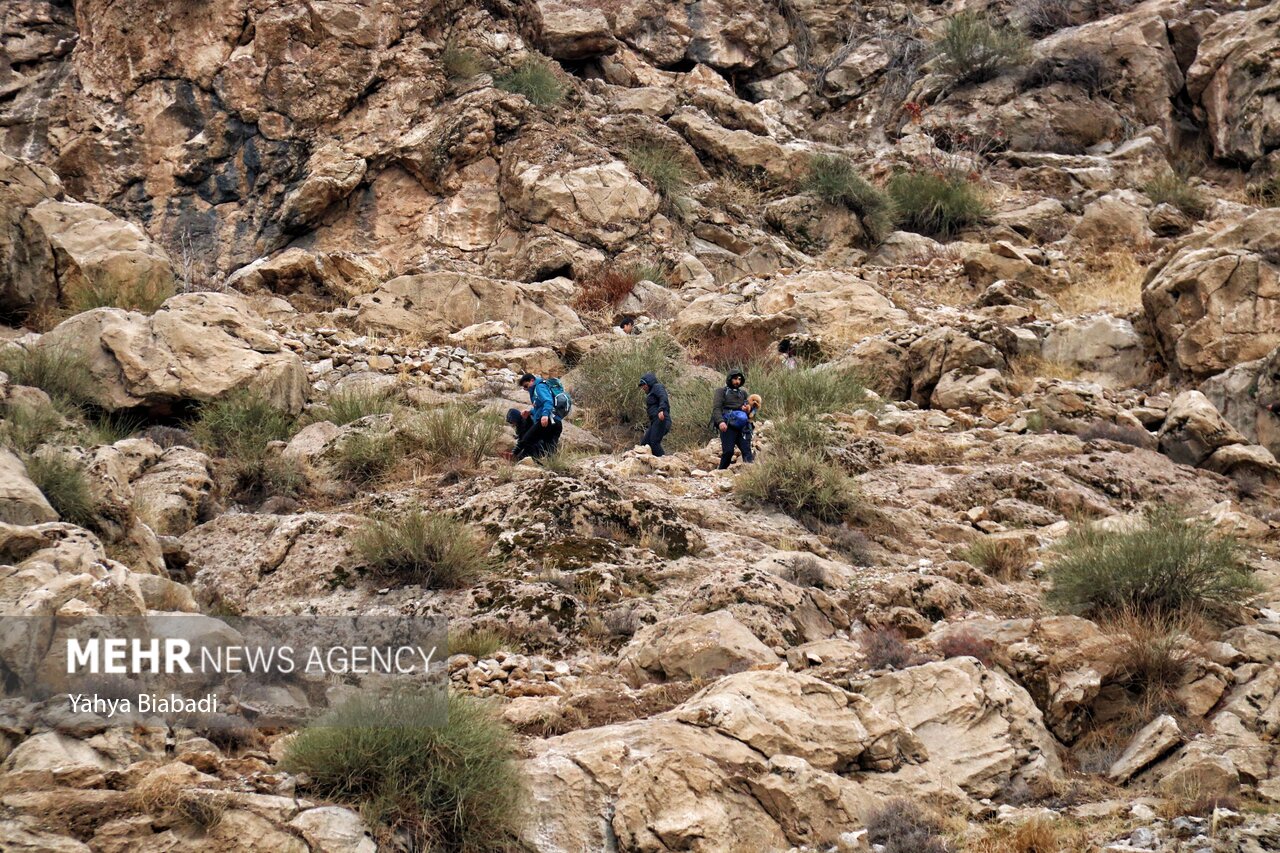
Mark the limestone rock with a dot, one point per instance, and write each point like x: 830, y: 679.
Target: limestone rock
x: 20, y: 501
x: 574, y: 32
x: 335, y: 829
x: 1234, y: 79
x: 791, y: 737
x: 975, y: 722
x: 171, y: 493
x: 1154, y: 740
x: 51, y: 750
x: 1200, y: 769
x: 1193, y: 430
x: 968, y: 388
x: 1117, y: 217
x: 1242, y: 394
x: 434, y: 305
x: 739, y: 148
x: 835, y: 305
x: 198, y: 346
x: 708, y: 645
x: 1103, y: 345
x: 27, y: 276
x: 1216, y: 301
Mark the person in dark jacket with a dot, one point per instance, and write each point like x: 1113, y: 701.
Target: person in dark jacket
x: 732, y: 396
x: 658, y: 407
x: 543, y: 435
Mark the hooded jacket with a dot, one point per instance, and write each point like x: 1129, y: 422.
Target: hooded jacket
x: 728, y: 398
x: 541, y: 403
x: 656, y: 400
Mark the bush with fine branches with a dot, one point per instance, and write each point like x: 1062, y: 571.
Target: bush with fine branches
x: 1169, y: 564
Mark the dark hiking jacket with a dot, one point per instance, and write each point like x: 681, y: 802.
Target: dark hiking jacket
x: 656, y: 400
x: 728, y: 398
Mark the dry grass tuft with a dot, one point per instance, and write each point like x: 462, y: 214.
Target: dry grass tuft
x: 1104, y: 280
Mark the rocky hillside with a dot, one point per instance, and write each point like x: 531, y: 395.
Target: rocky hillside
x: 1004, y: 578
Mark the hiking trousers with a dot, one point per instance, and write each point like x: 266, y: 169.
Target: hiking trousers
x: 539, y: 440
x: 655, y: 433
x: 731, y: 438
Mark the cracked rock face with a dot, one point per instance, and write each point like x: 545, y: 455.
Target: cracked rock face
x: 1216, y: 302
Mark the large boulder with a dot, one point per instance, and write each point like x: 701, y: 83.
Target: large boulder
x: 706, y: 645
x: 1216, y: 301
x: 580, y: 192
x: 1193, y: 429
x: 1108, y: 348
x: 1236, y: 81
x: 975, y: 722
x: 1062, y: 661
x: 1242, y: 395
x: 98, y: 255
x: 836, y: 306
x: 740, y: 149
x: 434, y: 305
x: 571, y: 32
x: 20, y: 501
x: 1055, y: 114
x: 758, y: 760
x: 951, y: 354
x: 197, y: 347
x: 27, y: 273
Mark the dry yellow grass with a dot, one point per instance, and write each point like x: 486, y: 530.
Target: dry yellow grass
x: 1037, y: 835
x: 1025, y: 369
x: 1109, y: 280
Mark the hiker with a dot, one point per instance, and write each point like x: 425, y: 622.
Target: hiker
x: 520, y: 422
x: 626, y: 326
x: 658, y: 407
x: 729, y: 415
x: 543, y: 434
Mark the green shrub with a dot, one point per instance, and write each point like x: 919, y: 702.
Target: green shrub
x: 836, y: 181
x: 804, y: 391
x: 352, y: 404
x: 1167, y: 565
x: 132, y: 293
x: 536, y: 79
x: 605, y: 385
x: 242, y: 424
x: 665, y: 168
x: 110, y: 427
x: 1174, y: 189
x: 65, y: 485
x: 649, y: 271
x: 802, y: 483
x: 240, y: 427
x: 429, y: 549
x: 23, y: 427
x: 365, y: 455
x: 442, y: 770
x: 460, y: 63
x: 972, y: 49
x: 936, y: 204
x: 453, y: 436
x: 604, y: 382
x: 1006, y: 559
x: 62, y: 374
x: 477, y: 642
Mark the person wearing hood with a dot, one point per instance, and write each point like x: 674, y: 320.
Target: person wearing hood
x: 732, y: 397
x: 658, y: 407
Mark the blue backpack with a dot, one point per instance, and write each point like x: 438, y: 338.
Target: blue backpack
x: 561, y: 403
x: 737, y: 419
